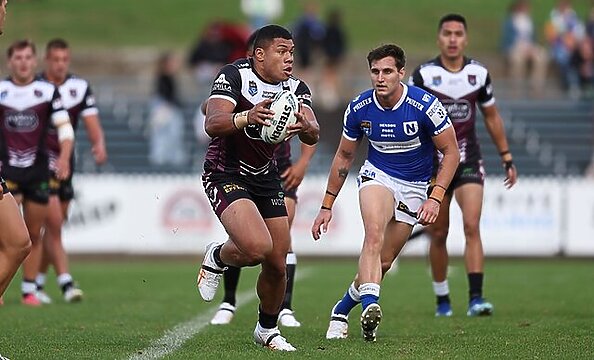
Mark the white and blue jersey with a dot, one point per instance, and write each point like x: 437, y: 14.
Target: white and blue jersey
x: 400, y: 138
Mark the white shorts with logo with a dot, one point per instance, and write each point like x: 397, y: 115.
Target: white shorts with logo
x: 408, y: 195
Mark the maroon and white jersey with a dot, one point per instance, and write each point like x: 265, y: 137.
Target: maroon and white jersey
x: 79, y: 101
x: 244, y: 152
x: 26, y: 114
x: 460, y: 93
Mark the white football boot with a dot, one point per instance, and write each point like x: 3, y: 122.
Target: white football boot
x: 73, y: 294
x: 210, y: 274
x: 272, y: 339
x: 338, y: 327
x: 43, y: 297
x: 224, y: 314
x: 286, y: 318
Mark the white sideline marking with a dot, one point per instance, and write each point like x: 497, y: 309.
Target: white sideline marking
x: 174, y: 338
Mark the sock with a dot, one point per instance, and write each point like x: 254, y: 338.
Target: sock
x: 350, y: 299
x: 291, y: 267
x: 216, y: 254
x: 369, y: 294
x: 442, y: 291
x: 267, y: 321
x: 40, y: 280
x: 231, y: 280
x: 28, y: 286
x: 475, y: 285
x: 65, y: 281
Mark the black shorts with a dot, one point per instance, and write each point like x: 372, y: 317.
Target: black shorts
x: 224, y: 189
x: 292, y: 193
x: 466, y: 173
x: 35, y: 191
x: 62, y: 188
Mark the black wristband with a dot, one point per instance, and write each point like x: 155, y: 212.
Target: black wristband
x: 508, y: 165
x: 435, y: 199
x: 326, y: 208
x: 332, y: 194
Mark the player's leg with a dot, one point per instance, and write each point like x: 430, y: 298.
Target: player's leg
x: 15, y: 243
x: 470, y: 198
x: 35, y: 214
x: 376, y: 203
x: 226, y: 310
x: 396, y: 236
x: 286, y: 316
x: 438, y: 257
x: 272, y: 285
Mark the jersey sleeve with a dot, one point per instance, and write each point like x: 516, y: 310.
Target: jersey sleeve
x: 485, y: 94
x: 89, y: 103
x: 227, y: 84
x: 303, y: 94
x: 436, y: 118
x: 351, y: 128
x: 416, y: 79
x: 59, y: 115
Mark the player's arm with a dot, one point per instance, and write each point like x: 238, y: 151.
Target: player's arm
x: 343, y: 160
x: 222, y: 121
x: 447, y: 145
x: 65, y: 132
x: 293, y: 176
x: 496, y: 129
x: 95, y: 135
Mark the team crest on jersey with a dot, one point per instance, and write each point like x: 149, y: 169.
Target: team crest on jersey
x: 410, y: 127
x: 366, y: 127
x: 472, y: 79
x: 37, y: 93
x: 73, y: 93
x: 436, y: 80
x: 252, y: 88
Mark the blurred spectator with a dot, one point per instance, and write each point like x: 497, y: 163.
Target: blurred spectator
x: 520, y: 47
x: 569, y: 48
x: 334, y: 45
x: 261, y: 12
x: 166, y: 122
x: 308, y: 35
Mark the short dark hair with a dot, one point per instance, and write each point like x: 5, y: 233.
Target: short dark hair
x: 384, y: 51
x: 250, y: 43
x: 266, y: 34
x: 452, y: 17
x: 20, y: 45
x: 57, y: 43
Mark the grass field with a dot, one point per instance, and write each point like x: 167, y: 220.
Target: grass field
x: 176, y: 23
x: 150, y: 310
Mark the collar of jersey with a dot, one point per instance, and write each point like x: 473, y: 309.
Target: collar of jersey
x: 400, y: 101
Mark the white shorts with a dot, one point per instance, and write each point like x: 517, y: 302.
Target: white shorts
x: 408, y: 195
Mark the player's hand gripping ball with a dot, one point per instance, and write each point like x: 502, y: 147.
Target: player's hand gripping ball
x: 284, y: 105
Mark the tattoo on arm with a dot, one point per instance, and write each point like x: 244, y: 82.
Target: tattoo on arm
x: 343, y: 172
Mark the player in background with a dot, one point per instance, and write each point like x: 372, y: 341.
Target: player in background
x: 404, y: 126
x: 29, y: 107
x: 292, y: 175
x: 241, y: 179
x: 462, y: 84
x: 15, y: 243
x: 79, y: 101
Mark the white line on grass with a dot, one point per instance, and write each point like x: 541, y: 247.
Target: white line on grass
x: 174, y: 338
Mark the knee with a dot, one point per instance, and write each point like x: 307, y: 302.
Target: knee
x: 257, y: 253
x: 471, y: 230
x: 439, y: 236
x: 20, y: 247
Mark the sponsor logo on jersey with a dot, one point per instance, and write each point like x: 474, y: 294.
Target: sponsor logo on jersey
x: 366, y: 127
x: 252, y: 88
x: 458, y: 110
x: 414, y: 103
x: 25, y: 121
x: 436, y: 113
x: 361, y: 104
x: 472, y: 79
x: 436, y: 81
x: 426, y: 97
x: 73, y: 93
x: 410, y: 127
x: 221, y: 84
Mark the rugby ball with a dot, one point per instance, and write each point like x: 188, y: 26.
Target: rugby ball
x: 284, y: 105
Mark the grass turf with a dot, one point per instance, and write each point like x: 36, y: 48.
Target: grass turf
x: 542, y: 311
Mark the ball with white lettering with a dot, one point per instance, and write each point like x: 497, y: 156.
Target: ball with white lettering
x: 284, y: 105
